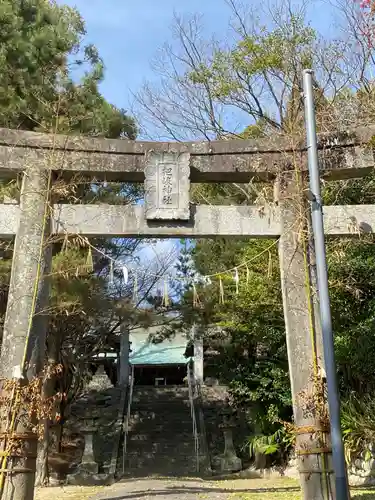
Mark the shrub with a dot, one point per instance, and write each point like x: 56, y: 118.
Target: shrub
x: 358, y: 427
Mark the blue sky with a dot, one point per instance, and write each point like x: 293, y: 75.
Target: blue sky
x: 128, y: 34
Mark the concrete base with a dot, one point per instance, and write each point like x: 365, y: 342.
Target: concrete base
x: 362, y: 473
x: 227, y: 463
x: 82, y: 478
x: 89, y: 467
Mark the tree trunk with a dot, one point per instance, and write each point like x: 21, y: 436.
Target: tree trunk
x: 42, y: 472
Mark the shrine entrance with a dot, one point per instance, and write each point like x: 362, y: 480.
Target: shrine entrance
x: 167, y: 169
x: 159, y: 375
x: 157, y: 364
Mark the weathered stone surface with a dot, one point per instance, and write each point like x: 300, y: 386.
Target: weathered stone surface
x: 100, y: 381
x: 25, y: 325
x: 112, y: 220
x: 103, y: 411
x: 36, y: 140
x: 301, y: 339
x: 161, y: 440
x: 206, y: 221
x: 217, y: 161
x: 362, y: 472
x: 349, y: 220
x: 167, y: 186
x: 88, y: 463
x: 228, y: 461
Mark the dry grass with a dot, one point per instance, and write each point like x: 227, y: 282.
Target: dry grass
x: 68, y: 492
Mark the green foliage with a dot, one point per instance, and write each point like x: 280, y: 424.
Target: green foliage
x: 264, y: 65
x: 249, y: 350
x: 38, y: 40
x: 256, y: 131
x: 279, y: 443
x: 351, y: 264
x: 358, y: 426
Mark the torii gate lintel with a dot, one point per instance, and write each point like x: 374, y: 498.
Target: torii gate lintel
x: 342, y: 156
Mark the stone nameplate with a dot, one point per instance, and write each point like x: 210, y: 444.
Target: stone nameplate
x: 167, y: 186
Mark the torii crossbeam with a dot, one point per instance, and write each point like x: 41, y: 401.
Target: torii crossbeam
x: 167, y: 169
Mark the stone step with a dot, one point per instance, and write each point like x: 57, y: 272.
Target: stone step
x: 171, y: 444
x: 156, y: 419
x: 160, y: 422
x: 156, y: 462
x: 167, y: 433
x: 161, y: 405
x: 170, y: 430
x: 159, y: 436
x: 152, y: 398
x: 161, y: 412
x: 159, y: 460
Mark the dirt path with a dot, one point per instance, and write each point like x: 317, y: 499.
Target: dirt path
x: 167, y: 489
x: 179, y: 489
x: 189, y: 489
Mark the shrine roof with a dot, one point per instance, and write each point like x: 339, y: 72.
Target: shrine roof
x: 169, y: 352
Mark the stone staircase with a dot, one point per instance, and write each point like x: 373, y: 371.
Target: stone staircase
x: 160, y: 439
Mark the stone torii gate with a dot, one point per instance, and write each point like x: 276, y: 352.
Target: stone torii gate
x: 167, y: 169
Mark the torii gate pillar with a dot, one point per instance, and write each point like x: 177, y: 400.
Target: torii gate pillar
x: 303, y: 337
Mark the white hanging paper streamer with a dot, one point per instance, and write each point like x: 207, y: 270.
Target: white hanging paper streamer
x: 125, y: 273
x: 221, y: 286
x: 247, y: 275
x: 165, y: 294
x: 237, y: 280
x: 17, y: 372
x: 89, y: 261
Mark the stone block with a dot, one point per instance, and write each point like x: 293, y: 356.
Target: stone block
x: 167, y: 186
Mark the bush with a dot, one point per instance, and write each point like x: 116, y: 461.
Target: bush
x: 358, y: 427
x: 276, y: 446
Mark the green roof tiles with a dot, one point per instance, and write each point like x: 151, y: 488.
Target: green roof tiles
x: 168, y: 352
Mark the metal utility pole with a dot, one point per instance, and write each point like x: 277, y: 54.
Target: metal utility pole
x: 338, y: 456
